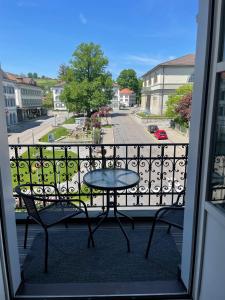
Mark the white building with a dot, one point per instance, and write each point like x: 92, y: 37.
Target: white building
x: 163, y: 80
x: 124, y: 97
x: 127, y: 97
x: 28, y: 96
x: 57, y: 90
x: 10, y: 102
x: 115, y: 102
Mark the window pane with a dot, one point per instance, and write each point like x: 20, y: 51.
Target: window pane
x: 218, y: 172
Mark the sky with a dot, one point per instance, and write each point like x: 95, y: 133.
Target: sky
x: 39, y: 35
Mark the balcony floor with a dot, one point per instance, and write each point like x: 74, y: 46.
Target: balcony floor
x: 105, y: 269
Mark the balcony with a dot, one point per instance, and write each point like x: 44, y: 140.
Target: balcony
x: 107, y: 268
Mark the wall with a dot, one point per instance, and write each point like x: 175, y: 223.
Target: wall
x: 213, y: 271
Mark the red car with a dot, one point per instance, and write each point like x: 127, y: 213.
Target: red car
x: 161, y: 134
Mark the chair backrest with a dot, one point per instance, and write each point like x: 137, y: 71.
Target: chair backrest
x: 32, y: 193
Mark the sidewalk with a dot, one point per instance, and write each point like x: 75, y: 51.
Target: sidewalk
x: 173, y: 135
x: 108, y: 135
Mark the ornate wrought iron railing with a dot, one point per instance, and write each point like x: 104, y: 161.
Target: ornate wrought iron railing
x: 162, y: 168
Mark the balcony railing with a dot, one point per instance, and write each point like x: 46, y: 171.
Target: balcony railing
x: 162, y: 169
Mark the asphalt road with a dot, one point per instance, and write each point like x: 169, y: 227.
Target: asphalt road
x: 30, y: 132
x: 127, y: 131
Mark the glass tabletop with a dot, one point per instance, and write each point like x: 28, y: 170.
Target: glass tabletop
x: 111, y: 179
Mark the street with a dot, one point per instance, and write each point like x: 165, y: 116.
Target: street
x: 127, y: 131
x: 29, y: 132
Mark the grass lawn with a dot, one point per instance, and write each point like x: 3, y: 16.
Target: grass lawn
x: 50, y: 176
x: 107, y: 126
x: 58, y: 132
x: 71, y: 120
x: 146, y: 115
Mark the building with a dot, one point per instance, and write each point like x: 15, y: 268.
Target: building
x: 10, y: 102
x: 127, y: 97
x: 122, y: 98
x: 57, y: 90
x: 28, y: 96
x: 201, y: 272
x: 115, y: 102
x: 163, y: 80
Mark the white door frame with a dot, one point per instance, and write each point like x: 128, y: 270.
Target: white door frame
x: 8, y: 203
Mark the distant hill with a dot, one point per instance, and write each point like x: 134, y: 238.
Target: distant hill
x: 46, y: 83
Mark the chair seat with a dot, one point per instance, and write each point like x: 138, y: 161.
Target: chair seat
x: 174, y: 216
x: 57, y: 212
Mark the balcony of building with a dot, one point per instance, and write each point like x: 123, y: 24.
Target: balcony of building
x: 108, y: 268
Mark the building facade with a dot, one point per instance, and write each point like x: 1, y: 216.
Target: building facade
x: 163, y: 80
x: 127, y: 97
x: 28, y: 96
x: 122, y: 98
x: 57, y: 90
x: 115, y: 102
x: 10, y: 102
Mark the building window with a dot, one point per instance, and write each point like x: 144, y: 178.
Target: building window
x: 155, y: 78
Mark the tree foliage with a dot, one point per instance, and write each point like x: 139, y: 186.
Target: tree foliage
x: 87, y: 84
x: 183, y: 108
x: 174, y: 99
x: 128, y: 79
x: 48, y: 100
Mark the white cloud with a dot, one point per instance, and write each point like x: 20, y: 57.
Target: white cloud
x: 82, y: 19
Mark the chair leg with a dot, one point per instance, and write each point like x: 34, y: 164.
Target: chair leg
x: 90, y: 231
x: 26, y: 233
x: 46, y: 250
x: 150, y: 238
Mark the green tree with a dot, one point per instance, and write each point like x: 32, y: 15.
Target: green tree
x: 128, y: 79
x: 48, y: 100
x: 62, y: 71
x: 174, y: 99
x: 87, y: 84
x: 30, y: 75
x: 35, y: 75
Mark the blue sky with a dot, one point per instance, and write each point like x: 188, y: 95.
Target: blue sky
x: 39, y: 35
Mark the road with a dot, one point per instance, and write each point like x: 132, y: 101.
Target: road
x: 127, y: 131
x: 30, y: 132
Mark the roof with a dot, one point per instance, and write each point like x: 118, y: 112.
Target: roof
x: 186, y: 60
x: 126, y: 91
x: 19, y: 79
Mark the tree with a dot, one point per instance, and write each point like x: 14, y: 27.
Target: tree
x: 30, y: 75
x: 183, y: 108
x: 62, y: 71
x: 175, y: 98
x: 35, y: 75
x: 48, y: 100
x: 128, y: 79
x: 87, y: 84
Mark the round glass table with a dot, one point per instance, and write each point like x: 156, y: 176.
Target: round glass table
x: 112, y: 180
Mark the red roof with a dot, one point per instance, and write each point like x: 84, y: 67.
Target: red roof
x: 126, y: 91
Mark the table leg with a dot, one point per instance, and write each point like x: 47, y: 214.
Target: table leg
x: 104, y: 214
x: 121, y: 227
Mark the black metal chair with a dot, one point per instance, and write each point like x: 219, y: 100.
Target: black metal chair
x: 172, y: 215
x: 60, y: 210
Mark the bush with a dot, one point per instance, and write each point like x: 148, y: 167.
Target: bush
x: 96, y: 133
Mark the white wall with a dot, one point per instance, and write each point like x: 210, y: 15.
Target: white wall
x: 178, y: 75
x: 213, y: 270
x: 8, y: 200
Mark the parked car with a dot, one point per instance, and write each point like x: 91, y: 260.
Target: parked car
x: 161, y: 134
x: 153, y: 128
